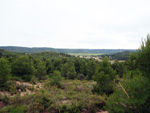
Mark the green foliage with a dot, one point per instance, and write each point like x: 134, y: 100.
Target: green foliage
x: 132, y: 62
x: 7, y: 54
x: 119, y: 55
x: 57, y: 64
x: 64, y: 70
x: 77, y: 64
x: 105, y: 66
x: 68, y: 71
x: 79, y: 96
x: 91, y: 68
x: 83, y: 68
x: 104, y: 84
x: 56, y: 78
x: 23, y: 67
x: 4, y: 72
x: 70, y: 108
x: 143, y: 57
x: 138, y: 89
x: 75, y: 96
x: 49, y: 67
x: 71, y: 74
x: 104, y: 77
x: 18, y: 109
x: 41, y: 64
x: 80, y: 66
x: 120, y: 68
x: 40, y: 70
x: 13, y: 89
x: 43, y: 101
x: 16, y: 78
x: 80, y: 77
x: 135, y: 84
x: 47, y: 55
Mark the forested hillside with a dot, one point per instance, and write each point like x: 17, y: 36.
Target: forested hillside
x: 50, y: 82
x: 36, y: 50
x: 118, y: 56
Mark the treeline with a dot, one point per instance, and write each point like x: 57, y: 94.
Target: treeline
x: 118, y: 56
x: 42, y: 65
x: 44, y: 49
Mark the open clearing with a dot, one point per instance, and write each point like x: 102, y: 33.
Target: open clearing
x: 85, y: 54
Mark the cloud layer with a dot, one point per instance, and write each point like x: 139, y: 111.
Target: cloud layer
x: 74, y: 23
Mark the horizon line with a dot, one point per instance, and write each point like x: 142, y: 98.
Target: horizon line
x: 69, y: 48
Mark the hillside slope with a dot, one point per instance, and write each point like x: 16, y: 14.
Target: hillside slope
x: 118, y: 56
x: 45, y: 49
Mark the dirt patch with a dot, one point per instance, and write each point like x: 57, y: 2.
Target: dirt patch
x: 4, y: 93
x: 38, y: 85
x: 27, y: 92
x: 28, y: 87
x: 66, y: 102
x: 23, y: 83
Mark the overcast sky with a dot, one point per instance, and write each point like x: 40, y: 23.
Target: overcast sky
x: 93, y: 24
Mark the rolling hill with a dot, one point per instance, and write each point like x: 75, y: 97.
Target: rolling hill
x: 45, y: 49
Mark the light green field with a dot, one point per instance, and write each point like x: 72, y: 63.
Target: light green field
x: 85, y: 54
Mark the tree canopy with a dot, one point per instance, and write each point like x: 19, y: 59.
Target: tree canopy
x: 4, y: 72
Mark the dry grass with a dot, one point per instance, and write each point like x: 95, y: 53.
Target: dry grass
x: 74, y: 95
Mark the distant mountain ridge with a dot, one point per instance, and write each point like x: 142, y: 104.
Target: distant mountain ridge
x: 46, y: 49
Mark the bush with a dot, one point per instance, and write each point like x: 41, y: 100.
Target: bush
x: 41, y: 102
x: 104, y: 77
x: 81, y: 77
x: 143, y: 57
x: 23, y: 67
x: 137, y: 89
x: 4, y: 72
x: 13, y: 89
x: 70, y: 108
x: 104, y: 85
x: 40, y: 71
x: 18, y: 109
x: 56, y: 78
x: 16, y: 78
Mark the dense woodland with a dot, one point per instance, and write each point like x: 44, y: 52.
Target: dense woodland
x: 71, y: 84
x: 118, y: 56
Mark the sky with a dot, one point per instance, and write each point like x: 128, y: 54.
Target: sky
x: 91, y: 24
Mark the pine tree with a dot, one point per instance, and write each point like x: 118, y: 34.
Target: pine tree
x: 23, y: 67
x: 4, y: 72
x: 104, y: 77
x: 41, y: 70
x: 143, y: 57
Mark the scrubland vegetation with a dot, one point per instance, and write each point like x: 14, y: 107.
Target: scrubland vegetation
x: 50, y: 82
